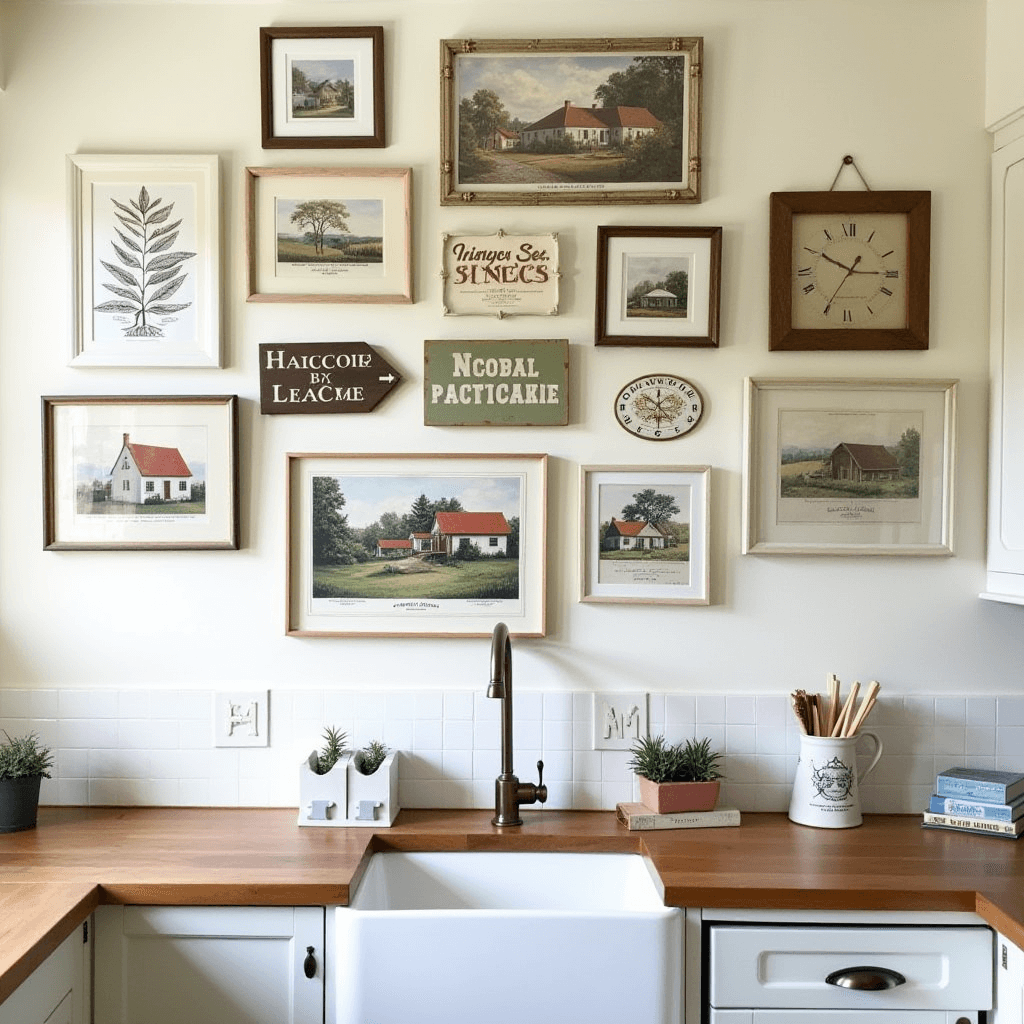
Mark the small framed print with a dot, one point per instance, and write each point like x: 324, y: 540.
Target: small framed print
x: 644, y: 534
x: 328, y: 234
x: 659, y: 286
x: 145, y: 268
x: 427, y: 545
x: 849, y: 467
x: 322, y: 88
x: 130, y: 473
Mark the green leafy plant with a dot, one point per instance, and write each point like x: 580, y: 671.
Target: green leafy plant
x: 370, y: 757
x: 330, y: 753
x: 23, y: 757
x: 659, y: 761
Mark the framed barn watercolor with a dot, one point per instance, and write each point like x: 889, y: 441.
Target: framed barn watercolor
x: 131, y: 472
x: 849, y: 466
x: 658, y: 286
x: 328, y: 234
x: 415, y: 545
x: 145, y: 260
x: 528, y: 122
x: 322, y: 88
x: 644, y: 534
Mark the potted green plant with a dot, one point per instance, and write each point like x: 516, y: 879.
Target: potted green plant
x: 24, y: 763
x: 373, y: 785
x: 676, y: 777
x: 323, y: 782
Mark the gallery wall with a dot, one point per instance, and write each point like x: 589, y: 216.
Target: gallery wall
x: 789, y: 88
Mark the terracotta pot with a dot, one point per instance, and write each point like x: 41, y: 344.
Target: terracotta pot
x: 672, y: 797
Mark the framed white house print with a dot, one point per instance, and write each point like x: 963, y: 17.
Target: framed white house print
x: 849, y: 466
x: 134, y: 472
x: 145, y: 247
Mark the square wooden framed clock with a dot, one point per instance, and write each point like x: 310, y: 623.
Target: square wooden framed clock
x: 849, y: 271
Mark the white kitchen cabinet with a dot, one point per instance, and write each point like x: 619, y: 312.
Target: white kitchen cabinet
x: 1009, y: 983
x: 192, y: 965
x: 57, y: 991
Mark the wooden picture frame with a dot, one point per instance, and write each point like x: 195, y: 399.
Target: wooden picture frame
x: 684, y: 266
x: 140, y: 472
x: 329, y: 234
x: 145, y: 260
x: 322, y: 88
x: 645, y: 534
x: 849, y: 466
x: 610, y: 149
x: 849, y: 271
x: 416, y: 569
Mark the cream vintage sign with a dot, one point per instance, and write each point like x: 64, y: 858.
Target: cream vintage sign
x: 500, y: 275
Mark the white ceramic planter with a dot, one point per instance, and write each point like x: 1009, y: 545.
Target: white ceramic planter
x: 345, y: 797
x: 373, y: 799
x: 323, y: 799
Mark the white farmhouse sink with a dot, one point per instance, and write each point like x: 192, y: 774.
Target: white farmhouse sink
x: 508, y: 938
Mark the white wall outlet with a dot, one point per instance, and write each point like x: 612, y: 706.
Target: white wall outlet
x: 241, y: 719
x: 620, y: 719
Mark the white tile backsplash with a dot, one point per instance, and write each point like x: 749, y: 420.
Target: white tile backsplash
x: 156, y: 746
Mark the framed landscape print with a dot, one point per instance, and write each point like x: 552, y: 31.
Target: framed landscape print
x: 415, y: 545
x: 328, y: 234
x: 145, y: 266
x: 322, y: 88
x: 658, y: 286
x: 531, y: 122
x: 130, y: 472
x: 848, y: 467
x: 644, y: 534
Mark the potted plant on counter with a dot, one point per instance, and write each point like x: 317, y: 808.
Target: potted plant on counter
x: 373, y: 785
x: 677, y: 777
x: 24, y: 763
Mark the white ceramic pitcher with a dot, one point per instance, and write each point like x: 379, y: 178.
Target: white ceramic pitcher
x: 826, y: 789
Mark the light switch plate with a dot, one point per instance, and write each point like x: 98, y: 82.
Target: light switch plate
x: 241, y: 718
x: 620, y: 719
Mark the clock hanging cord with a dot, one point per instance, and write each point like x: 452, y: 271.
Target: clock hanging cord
x: 848, y: 161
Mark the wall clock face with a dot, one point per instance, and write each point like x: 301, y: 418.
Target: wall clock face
x: 659, y: 407
x: 849, y: 270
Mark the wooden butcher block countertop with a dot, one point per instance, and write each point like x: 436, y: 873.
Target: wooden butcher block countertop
x: 53, y: 876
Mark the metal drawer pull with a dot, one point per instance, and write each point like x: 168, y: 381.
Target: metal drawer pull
x: 866, y: 979
x: 309, y: 964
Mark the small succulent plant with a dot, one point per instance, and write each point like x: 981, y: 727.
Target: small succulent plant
x: 23, y: 757
x: 659, y: 761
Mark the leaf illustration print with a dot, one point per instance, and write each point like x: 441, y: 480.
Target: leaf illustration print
x: 149, y: 275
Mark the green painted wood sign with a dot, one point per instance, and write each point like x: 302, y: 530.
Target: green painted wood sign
x: 496, y: 383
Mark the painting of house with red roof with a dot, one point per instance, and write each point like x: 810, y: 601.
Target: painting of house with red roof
x: 591, y: 127
x: 453, y: 532
x: 146, y: 473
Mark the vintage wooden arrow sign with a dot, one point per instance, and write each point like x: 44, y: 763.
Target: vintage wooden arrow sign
x: 323, y: 377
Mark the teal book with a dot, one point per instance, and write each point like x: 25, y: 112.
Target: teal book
x: 985, y: 784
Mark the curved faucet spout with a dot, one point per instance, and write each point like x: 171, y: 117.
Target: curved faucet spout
x: 501, y: 661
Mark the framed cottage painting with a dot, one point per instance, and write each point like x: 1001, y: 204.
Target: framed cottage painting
x: 138, y: 472
x: 145, y: 245
x: 529, y: 122
x: 416, y: 545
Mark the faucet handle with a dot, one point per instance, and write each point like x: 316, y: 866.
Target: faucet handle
x: 540, y: 774
x: 542, y: 790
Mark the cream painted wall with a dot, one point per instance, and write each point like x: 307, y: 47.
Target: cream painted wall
x: 790, y: 86
x: 1004, y: 28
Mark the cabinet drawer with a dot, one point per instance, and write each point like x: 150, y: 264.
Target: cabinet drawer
x: 785, y: 967
x: 842, y: 1017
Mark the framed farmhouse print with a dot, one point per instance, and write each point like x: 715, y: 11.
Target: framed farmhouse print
x: 145, y: 260
x: 849, y: 467
x: 415, y: 545
x: 658, y: 286
x: 322, y: 88
x: 529, y: 122
x: 140, y: 472
x: 328, y: 234
x: 644, y: 534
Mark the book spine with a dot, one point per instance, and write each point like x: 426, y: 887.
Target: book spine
x: 971, y: 808
x: 972, y: 824
x: 703, y: 819
x: 990, y: 792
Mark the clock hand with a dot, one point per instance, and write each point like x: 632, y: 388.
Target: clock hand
x: 850, y: 270
x: 826, y: 256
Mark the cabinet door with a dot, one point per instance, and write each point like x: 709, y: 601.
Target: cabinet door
x: 231, y: 965
x: 55, y: 992
x: 1009, y: 983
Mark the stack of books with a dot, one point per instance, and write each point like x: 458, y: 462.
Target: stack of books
x: 978, y: 800
x: 640, y: 817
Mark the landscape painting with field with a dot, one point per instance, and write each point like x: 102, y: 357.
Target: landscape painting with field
x: 329, y: 235
x: 656, y: 287
x: 431, y: 538
x: 644, y: 534
x: 566, y: 120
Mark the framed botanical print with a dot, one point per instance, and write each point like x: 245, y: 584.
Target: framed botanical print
x: 849, y: 466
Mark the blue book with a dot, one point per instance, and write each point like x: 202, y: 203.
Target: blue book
x: 980, y: 784
x: 962, y: 807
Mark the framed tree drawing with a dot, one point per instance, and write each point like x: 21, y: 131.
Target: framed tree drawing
x: 138, y: 472
x: 529, y: 122
x: 849, y: 466
x: 415, y: 545
x: 145, y: 244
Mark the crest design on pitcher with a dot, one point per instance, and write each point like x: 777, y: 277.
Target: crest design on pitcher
x: 833, y: 780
